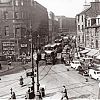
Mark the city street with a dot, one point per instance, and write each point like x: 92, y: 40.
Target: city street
x: 49, y: 48
x: 53, y: 78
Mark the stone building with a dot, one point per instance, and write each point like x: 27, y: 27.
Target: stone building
x: 19, y: 21
x: 86, y: 21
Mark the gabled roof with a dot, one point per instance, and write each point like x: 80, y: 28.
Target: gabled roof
x: 93, y: 10
x: 84, y: 11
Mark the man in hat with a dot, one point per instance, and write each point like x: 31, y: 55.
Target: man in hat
x: 64, y: 93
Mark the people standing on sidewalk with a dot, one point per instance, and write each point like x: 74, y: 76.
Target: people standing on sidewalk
x: 64, y: 93
x: 13, y: 96
x: 63, y: 59
x: 21, y: 81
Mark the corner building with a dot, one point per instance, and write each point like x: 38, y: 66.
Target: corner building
x: 19, y: 19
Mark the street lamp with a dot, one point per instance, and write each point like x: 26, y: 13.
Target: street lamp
x: 37, y: 62
x: 32, y: 96
x: 33, y: 89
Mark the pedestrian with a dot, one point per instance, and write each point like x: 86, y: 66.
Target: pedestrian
x: 63, y: 60
x: 13, y: 96
x: 64, y: 93
x: 27, y: 96
x: 21, y: 81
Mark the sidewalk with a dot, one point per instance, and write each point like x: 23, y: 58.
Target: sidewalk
x: 56, y: 96
x: 6, y: 68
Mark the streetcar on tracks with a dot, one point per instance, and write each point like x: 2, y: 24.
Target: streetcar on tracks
x: 50, y: 53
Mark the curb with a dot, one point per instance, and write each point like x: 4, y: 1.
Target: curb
x: 7, y: 69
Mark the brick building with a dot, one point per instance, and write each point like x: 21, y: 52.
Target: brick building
x: 19, y: 21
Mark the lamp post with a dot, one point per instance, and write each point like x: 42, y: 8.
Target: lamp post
x: 32, y: 75
x: 33, y: 89
x: 38, y: 95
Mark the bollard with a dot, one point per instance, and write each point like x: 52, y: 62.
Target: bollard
x: 67, y: 69
x: 42, y: 92
x: 38, y: 96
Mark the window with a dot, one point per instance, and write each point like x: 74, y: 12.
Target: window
x: 88, y: 22
x: 0, y: 31
x: 93, y: 21
x: 98, y: 21
x: 96, y: 43
x: 16, y: 2
x: 78, y: 18
x: 5, y: 15
x: 78, y: 38
x: 82, y: 18
x: 16, y: 15
x: 79, y: 27
x: 82, y: 27
x: 22, y: 15
x: 83, y: 38
x: 17, y: 32
x: 6, y: 30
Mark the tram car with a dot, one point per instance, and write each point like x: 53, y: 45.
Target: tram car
x: 50, y: 53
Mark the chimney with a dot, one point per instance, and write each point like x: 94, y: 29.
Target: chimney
x: 86, y: 5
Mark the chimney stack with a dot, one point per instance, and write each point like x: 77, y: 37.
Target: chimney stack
x: 86, y: 5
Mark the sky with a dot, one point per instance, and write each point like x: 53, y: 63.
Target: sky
x: 68, y: 8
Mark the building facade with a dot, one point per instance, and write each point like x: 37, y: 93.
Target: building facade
x: 67, y: 25
x: 19, y: 21
x: 53, y: 27
x: 87, y: 35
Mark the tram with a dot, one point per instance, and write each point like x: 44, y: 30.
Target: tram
x: 50, y: 53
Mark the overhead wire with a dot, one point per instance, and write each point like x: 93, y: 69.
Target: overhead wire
x: 46, y: 74
x: 71, y: 84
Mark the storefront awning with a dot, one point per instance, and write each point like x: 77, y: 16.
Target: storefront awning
x: 84, y: 51
x: 92, y: 52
